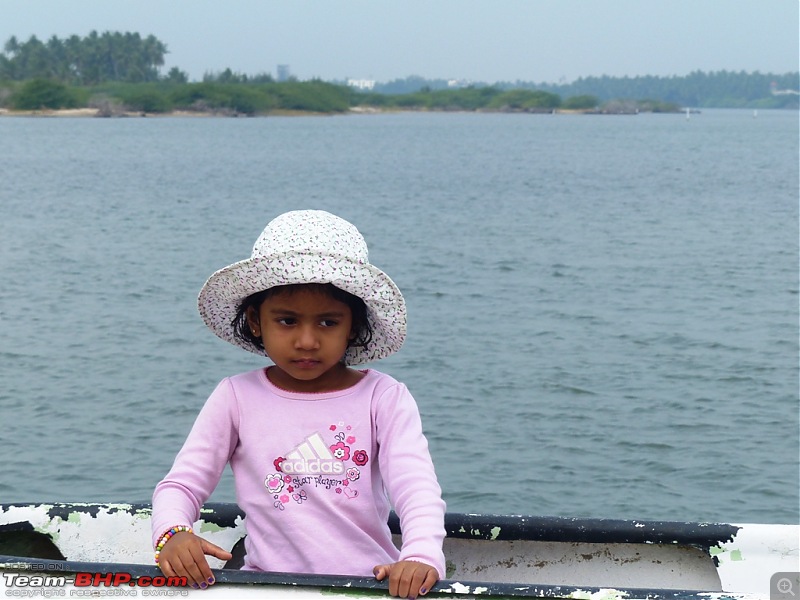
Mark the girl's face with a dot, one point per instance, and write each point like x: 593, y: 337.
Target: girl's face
x: 305, y: 333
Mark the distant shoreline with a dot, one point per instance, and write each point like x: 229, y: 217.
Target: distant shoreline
x: 357, y: 110
x: 96, y: 113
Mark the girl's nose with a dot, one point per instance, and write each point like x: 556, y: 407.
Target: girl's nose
x: 306, y: 338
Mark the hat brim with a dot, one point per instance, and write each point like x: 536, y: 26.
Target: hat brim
x: 221, y: 296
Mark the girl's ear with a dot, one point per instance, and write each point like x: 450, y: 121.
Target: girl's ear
x: 252, y: 320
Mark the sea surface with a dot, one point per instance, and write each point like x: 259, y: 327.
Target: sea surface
x: 603, y: 310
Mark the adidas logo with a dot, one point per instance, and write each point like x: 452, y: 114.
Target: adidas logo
x: 312, y: 456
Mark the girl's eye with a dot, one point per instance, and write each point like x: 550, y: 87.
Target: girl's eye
x: 328, y: 323
x: 287, y: 321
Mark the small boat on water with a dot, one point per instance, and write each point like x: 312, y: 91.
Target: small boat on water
x: 75, y: 549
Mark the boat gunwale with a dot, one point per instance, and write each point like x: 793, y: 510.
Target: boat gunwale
x: 476, y: 526
x: 445, y: 587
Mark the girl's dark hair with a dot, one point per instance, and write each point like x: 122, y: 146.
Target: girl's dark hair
x: 361, y: 325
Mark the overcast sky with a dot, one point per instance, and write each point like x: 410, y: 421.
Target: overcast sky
x: 478, y: 40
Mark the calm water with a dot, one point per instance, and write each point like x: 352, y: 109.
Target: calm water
x: 603, y: 310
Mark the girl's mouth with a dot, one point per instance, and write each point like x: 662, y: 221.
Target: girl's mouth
x: 305, y: 363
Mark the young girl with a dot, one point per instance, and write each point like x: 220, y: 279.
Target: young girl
x: 318, y: 449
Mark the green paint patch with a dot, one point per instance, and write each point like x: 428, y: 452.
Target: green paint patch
x: 495, y: 532
x: 208, y: 527
x: 732, y: 554
x: 74, y: 517
x: 449, y: 569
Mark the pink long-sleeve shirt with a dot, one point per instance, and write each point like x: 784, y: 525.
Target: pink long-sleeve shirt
x: 314, y: 474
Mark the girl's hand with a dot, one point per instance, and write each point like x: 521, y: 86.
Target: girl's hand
x: 407, y: 578
x: 184, y: 556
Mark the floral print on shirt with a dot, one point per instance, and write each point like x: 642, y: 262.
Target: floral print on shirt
x: 328, y: 463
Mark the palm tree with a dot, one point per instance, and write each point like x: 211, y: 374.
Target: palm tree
x: 73, y: 50
x: 35, y: 60
x: 154, y: 51
x: 57, y: 55
x: 12, y: 45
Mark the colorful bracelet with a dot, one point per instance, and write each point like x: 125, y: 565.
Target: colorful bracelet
x: 167, y: 535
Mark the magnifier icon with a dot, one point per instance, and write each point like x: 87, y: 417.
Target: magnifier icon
x: 784, y: 586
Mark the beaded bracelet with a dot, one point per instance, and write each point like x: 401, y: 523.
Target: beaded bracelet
x: 167, y: 535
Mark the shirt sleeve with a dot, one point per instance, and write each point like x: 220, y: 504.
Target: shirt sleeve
x: 198, y: 467
x: 409, y: 477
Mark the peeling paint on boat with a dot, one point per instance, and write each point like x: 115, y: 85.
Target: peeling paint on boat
x: 458, y: 588
x: 599, y: 595
x: 722, y: 554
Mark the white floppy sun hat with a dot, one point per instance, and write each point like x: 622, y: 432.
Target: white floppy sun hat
x: 308, y: 246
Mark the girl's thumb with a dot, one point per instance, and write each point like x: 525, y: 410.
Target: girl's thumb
x: 380, y: 572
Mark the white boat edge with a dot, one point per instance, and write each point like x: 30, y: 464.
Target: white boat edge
x: 96, y: 536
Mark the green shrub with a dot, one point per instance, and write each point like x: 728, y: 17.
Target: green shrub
x: 358, y: 98
x: 583, y: 102
x: 657, y: 106
x: 38, y: 94
x: 235, y: 97
x: 143, y: 98
x: 315, y: 96
x: 525, y: 100
x: 6, y: 92
x: 248, y: 101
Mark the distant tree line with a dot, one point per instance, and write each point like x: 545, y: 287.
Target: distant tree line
x: 721, y: 89
x: 118, y: 72
x: 226, y: 98
x: 228, y: 76
x: 119, y: 98
x: 91, y: 60
x: 495, y: 99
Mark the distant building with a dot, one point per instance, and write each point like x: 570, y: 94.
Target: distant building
x: 283, y: 73
x: 361, y: 84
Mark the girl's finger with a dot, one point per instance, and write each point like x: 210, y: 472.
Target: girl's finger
x: 185, y: 566
x: 430, y: 581
x: 216, y: 551
x: 205, y: 576
x: 416, y: 583
x: 166, y: 568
